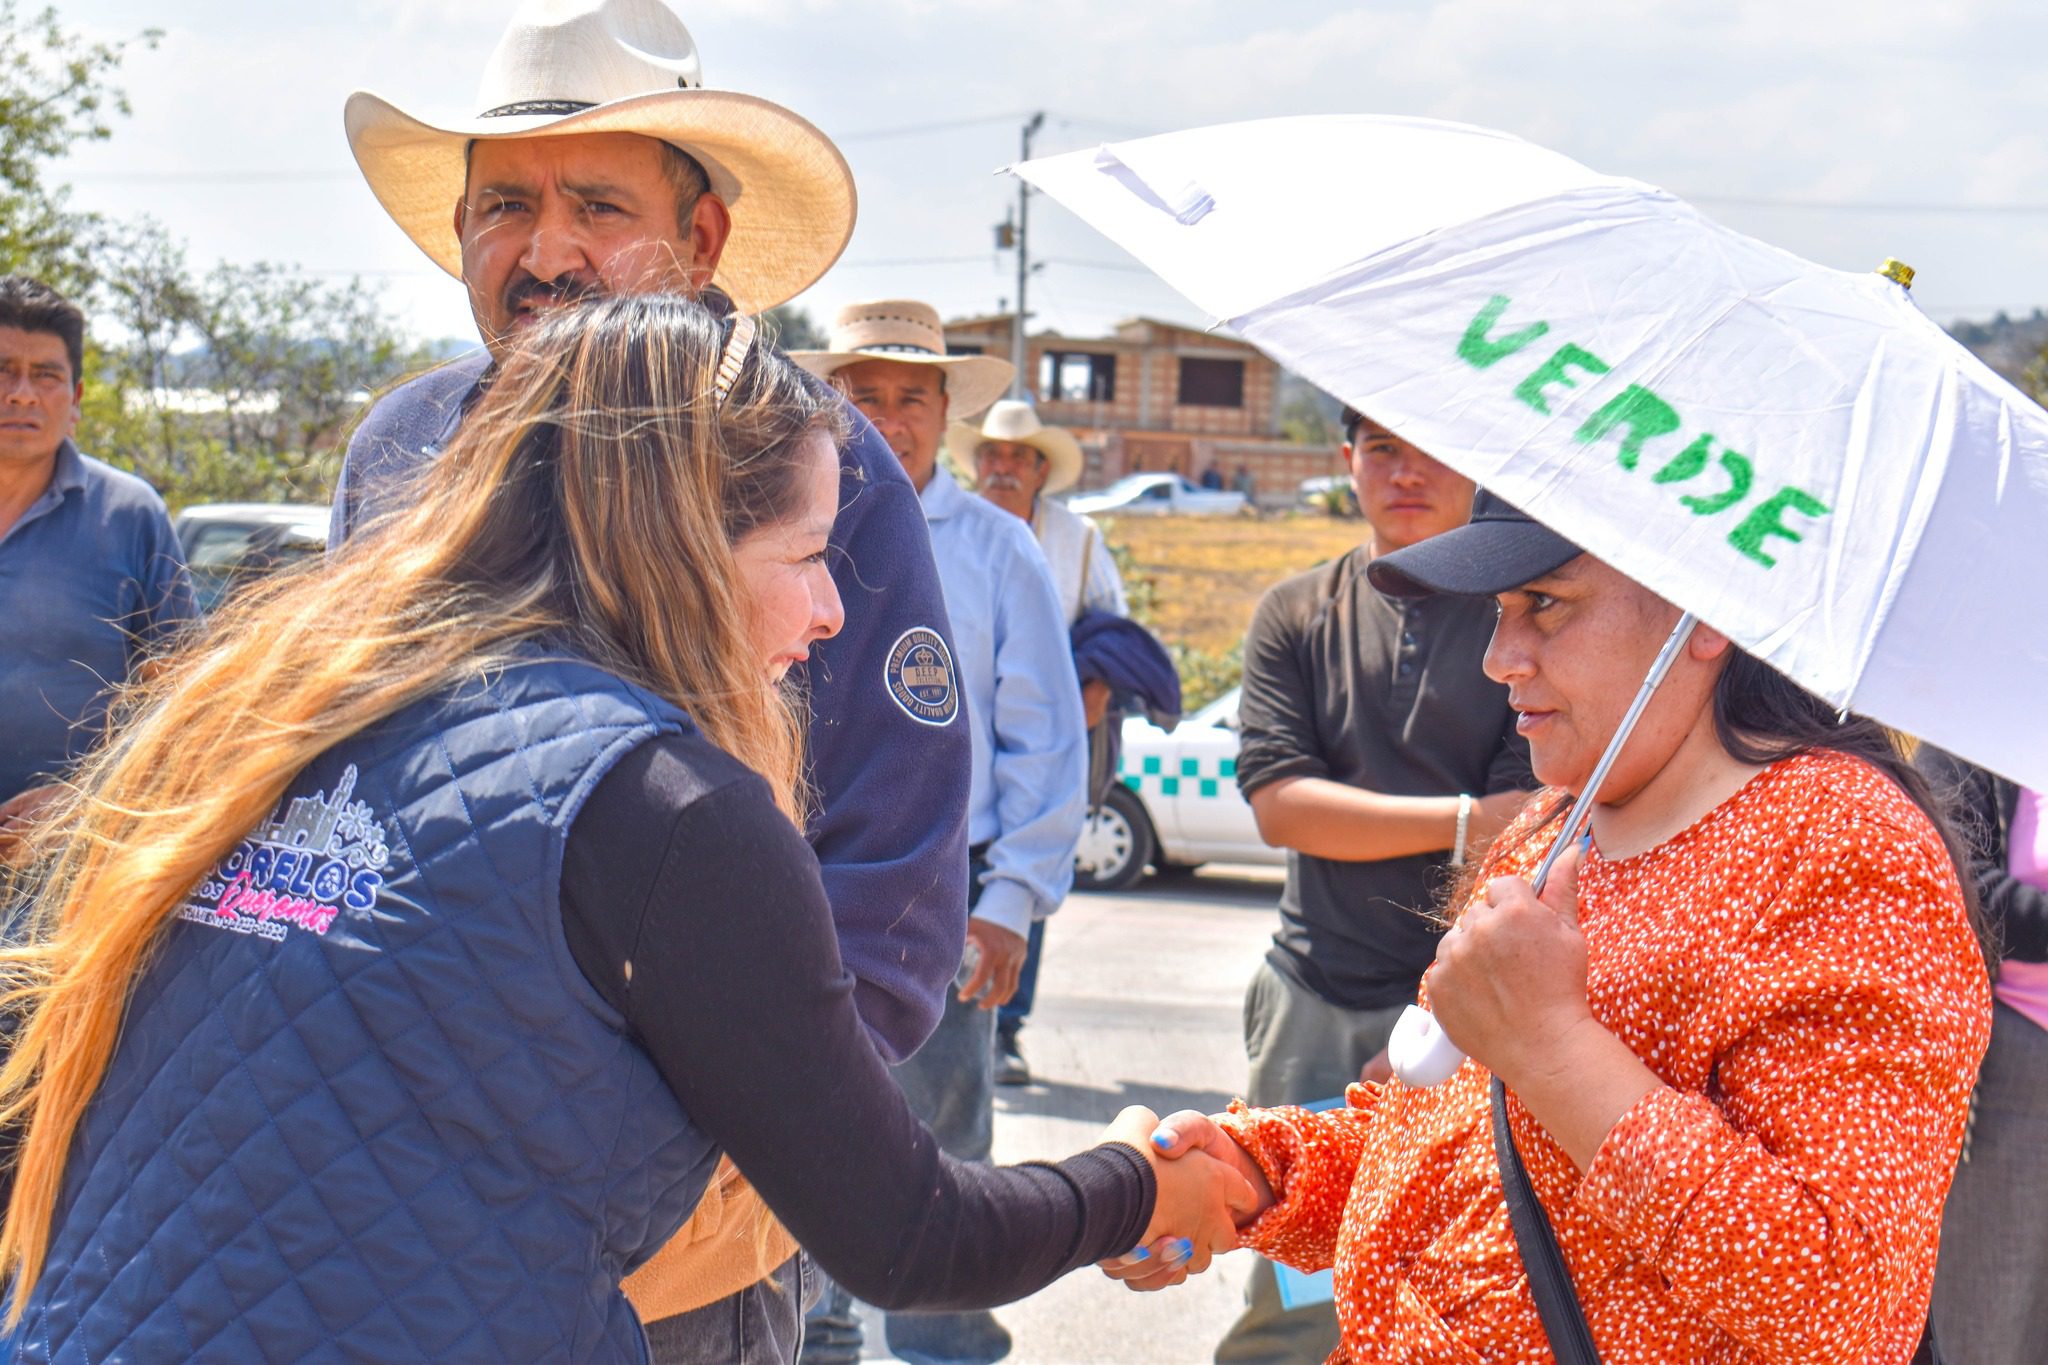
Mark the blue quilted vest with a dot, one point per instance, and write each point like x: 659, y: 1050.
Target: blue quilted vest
x: 365, y: 1106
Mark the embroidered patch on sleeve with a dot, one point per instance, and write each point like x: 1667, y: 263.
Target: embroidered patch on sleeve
x: 920, y: 677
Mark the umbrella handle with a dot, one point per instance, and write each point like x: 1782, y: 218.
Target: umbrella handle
x: 1418, y: 1050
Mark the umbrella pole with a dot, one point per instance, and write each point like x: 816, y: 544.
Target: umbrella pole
x: 1420, y: 1052
x: 1582, y: 806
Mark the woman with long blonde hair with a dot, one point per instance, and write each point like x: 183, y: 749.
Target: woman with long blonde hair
x: 398, y: 971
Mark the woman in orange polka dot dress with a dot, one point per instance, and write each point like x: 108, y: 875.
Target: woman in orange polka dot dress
x: 1738, y: 1033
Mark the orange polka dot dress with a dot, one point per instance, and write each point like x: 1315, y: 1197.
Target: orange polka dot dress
x: 1798, y: 969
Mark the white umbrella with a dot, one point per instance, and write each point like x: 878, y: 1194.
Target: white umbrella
x: 1793, y: 454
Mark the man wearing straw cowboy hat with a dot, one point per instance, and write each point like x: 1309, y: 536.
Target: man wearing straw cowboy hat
x: 1024, y: 711
x: 597, y: 163
x: 1018, y: 463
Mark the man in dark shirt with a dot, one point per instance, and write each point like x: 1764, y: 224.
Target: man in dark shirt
x: 1374, y: 750
x: 90, y: 573
x: 599, y: 164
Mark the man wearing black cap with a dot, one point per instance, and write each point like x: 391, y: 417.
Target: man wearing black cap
x: 1506, y: 549
x: 1376, y: 751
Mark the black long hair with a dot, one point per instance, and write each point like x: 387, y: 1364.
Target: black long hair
x: 1761, y: 717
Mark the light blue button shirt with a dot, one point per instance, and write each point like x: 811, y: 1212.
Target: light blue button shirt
x: 1023, y: 703
x: 91, y: 578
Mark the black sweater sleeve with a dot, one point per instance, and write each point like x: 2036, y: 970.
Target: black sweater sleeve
x: 695, y: 908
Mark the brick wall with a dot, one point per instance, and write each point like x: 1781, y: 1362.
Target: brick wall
x: 1277, y: 467
x: 1144, y: 425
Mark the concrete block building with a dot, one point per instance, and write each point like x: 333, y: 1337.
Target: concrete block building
x: 1159, y: 396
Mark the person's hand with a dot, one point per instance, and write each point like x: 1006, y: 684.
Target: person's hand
x: 1377, y: 1069
x: 1001, y: 961
x: 1203, y: 1196
x: 1094, y: 701
x: 1509, y: 981
x: 1190, y: 1130
x: 19, y: 813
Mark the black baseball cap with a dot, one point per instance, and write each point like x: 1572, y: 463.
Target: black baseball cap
x: 1500, y: 548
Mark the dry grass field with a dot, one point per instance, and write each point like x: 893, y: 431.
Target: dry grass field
x: 1195, y: 580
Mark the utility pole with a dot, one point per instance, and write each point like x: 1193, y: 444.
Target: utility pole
x: 1023, y: 262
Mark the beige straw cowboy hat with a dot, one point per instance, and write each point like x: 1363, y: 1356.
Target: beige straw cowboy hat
x: 1016, y: 420
x: 623, y: 66
x: 903, y: 329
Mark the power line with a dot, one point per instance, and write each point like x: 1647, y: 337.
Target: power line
x: 1756, y: 201
x: 208, y: 177
x: 1859, y: 205
x: 912, y: 260
x: 919, y: 129
x: 421, y: 273
x: 873, y: 263
x: 268, y: 177
x: 886, y: 263
x: 1081, y: 121
x: 974, y: 120
x: 248, y: 177
x: 1126, y: 267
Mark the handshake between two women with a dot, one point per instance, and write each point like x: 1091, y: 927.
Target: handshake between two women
x: 1208, y: 1188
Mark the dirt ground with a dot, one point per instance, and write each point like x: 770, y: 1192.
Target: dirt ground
x: 1207, y: 572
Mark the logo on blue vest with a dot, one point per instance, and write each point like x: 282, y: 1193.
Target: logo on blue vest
x: 920, y: 677
x: 318, y: 856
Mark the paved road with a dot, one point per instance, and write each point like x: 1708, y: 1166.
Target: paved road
x: 1139, y: 1002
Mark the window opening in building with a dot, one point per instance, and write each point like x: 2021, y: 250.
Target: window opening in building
x: 1211, y: 383
x: 1077, y: 377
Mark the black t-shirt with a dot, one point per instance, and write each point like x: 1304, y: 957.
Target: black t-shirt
x: 1345, y: 683
x: 694, y: 907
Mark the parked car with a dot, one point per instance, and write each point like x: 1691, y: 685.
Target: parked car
x: 228, y: 543
x: 1158, y: 495
x: 1332, y: 493
x: 1175, y: 804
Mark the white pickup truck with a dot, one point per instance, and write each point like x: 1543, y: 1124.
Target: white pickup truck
x: 1157, y: 495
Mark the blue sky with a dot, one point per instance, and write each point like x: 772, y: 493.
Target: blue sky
x: 1844, y: 131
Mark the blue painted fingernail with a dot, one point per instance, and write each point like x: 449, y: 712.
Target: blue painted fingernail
x: 1163, y: 1139
x: 1138, y: 1254
x: 1186, y: 1247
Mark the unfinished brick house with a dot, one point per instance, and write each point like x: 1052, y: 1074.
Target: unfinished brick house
x: 1156, y: 395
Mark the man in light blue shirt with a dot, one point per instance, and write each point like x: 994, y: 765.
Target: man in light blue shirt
x: 91, y: 576
x: 1023, y: 707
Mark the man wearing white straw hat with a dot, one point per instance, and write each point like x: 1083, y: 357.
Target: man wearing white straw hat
x: 1023, y: 705
x: 1018, y: 463
x: 596, y: 162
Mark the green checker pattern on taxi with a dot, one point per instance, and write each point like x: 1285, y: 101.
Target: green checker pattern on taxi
x: 1157, y: 776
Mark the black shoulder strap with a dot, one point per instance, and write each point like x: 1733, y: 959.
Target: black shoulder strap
x: 1557, y: 1304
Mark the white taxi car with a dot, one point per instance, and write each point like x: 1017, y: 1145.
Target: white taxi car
x: 1174, y: 805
